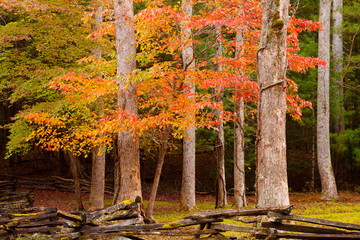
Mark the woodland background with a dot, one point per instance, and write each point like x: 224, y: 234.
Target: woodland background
x: 38, y: 46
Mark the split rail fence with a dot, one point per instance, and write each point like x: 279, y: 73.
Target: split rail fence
x: 17, y: 217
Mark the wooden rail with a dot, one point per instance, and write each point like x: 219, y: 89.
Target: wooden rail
x: 125, y: 219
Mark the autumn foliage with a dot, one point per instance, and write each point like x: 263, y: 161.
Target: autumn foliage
x: 86, y: 115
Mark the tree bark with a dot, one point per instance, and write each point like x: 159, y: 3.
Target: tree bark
x: 313, y: 152
x: 74, y: 167
x: 327, y: 178
x: 239, y: 135
x: 338, y: 53
x: 162, y: 153
x: 239, y: 156
x: 187, y: 200
x: 97, y: 188
x: 129, y: 182
x: 221, y: 194
x: 271, y: 174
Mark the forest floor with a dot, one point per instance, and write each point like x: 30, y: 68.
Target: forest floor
x: 345, y: 209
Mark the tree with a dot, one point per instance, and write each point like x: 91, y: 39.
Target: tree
x: 128, y: 182
x: 271, y: 172
x: 328, y: 184
x: 74, y: 168
x: 338, y: 54
x: 187, y: 201
x: 337, y: 51
x: 239, y: 144
x: 221, y: 193
x: 162, y: 152
x: 97, y: 189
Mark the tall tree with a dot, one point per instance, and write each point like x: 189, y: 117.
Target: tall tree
x: 97, y: 189
x: 328, y: 184
x: 271, y: 174
x: 239, y: 137
x: 128, y: 183
x: 221, y: 194
x: 338, y: 53
x: 187, y: 200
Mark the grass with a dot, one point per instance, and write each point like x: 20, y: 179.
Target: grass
x: 346, y: 208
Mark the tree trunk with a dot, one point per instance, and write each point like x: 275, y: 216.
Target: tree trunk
x: 271, y: 175
x: 313, y: 152
x: 221, y: 194
x: 98, y: 159
x: 337, y: 51
x: 239, y: 156
x: 129, y: 182
x: 74, y: 167
x: 97, y: 188
x: 187, y: 200
x: 328, y: 184
x: 162, y: 152
x: 239, y: 134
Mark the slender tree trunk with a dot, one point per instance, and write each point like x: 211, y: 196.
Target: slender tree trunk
x: 239, y: 150
x: 129, y: 182
x: 97, y: 188
x: 239, y: 156
x: 328, y: 184
x: 271, y: 174
x: 74, y: 167
x: 221, y: 194
x: 338, y: 53
x: 313, y: 150
x: 187, y: 200
x: 162, y: 152
x: 98, y: 159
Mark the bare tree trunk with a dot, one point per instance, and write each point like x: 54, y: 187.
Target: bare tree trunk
x: 97, y: 188
x: 187, y: 200
x: 221, y: 194
x: 98, y: 159
x: 271, y: 174
x: 328, y: 184
x: 313, y: 150
x: 129, y: 183
x: 74, y: 167
x: 239, y: 135
x: 162, y: 152
x: 239, y: 156
x: 338, y: 53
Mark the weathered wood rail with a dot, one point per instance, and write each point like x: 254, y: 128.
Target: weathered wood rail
x: 126, y: 220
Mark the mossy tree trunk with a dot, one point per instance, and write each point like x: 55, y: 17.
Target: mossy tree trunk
x: 128, y: 184
x: 271, y: 172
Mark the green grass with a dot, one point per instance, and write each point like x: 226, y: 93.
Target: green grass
x: 345, y: 209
